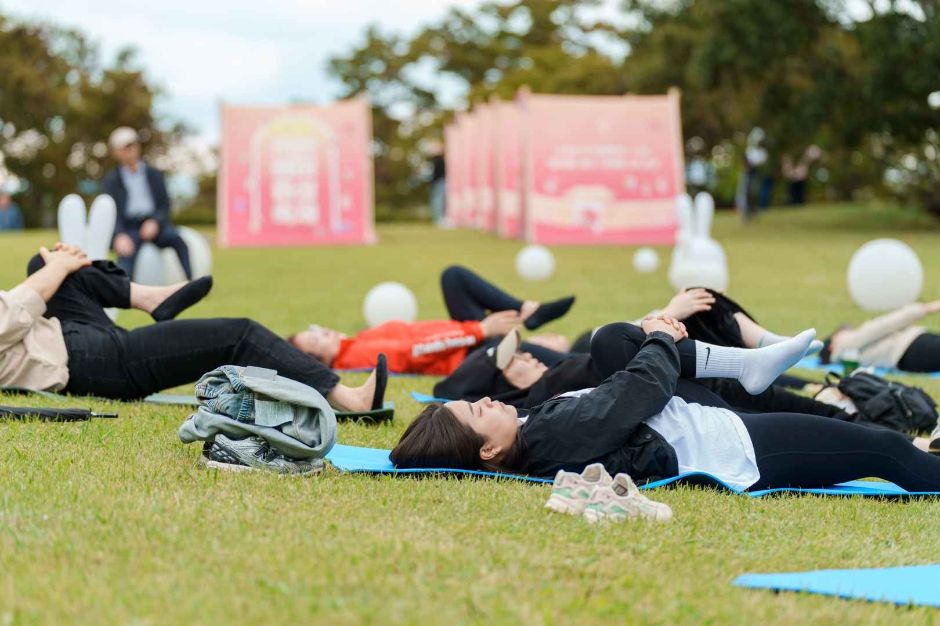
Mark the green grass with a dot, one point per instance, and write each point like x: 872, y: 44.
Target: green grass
x: 113, y: 522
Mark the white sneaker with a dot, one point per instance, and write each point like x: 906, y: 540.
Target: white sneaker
x: 622, y: 500
x: 571, y: 491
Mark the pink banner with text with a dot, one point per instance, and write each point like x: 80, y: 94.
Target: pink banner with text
x: 296, y: 175
x: 601, y: 169
x: 507, y: 168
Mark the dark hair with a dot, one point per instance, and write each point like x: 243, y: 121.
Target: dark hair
x: 437, y: 439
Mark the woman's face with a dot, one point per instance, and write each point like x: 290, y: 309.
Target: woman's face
x: 524, y: 370
x: 320, y: 342
x: 496, y: 422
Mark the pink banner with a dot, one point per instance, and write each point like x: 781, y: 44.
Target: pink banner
x: 485, y: 160
x: 601, y: 169
x: 470, y: 199
x: 453, y: 178
x: 507, y: 183
x: 296, y: 175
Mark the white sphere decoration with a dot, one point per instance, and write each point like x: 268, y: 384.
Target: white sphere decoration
x: 535, y: 263
x: 387, y: 302
x: 645, y: 260
x: 148, y: 268
x: 162, y: 267
x: 200, y: 257
x: 885, y: 274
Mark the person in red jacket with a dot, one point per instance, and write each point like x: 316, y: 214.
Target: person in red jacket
x: 480, y: 314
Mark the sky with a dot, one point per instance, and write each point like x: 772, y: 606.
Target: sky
x: 202, y: 52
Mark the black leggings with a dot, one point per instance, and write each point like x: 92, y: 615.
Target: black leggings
x: 806, y: 451
x: 923, y: 355
x: 468, y: 297
x: 109, y: 361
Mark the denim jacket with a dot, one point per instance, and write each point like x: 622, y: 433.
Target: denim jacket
x: 242, y: 401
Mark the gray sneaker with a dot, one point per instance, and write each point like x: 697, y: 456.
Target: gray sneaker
x: 253, y: 453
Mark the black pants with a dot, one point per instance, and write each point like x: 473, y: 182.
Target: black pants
x: 168, y: 237
x: 468, y: 297
x: 923, y: 355
x: 794, y: 450
x: 615, y: 345
x: 106, y: 360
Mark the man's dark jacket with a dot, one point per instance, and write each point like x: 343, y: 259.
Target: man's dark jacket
x: 113, y: 185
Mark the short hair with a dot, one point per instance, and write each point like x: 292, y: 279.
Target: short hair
x: 436, y: 438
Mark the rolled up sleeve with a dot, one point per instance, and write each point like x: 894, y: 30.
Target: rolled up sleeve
x: 19, y: 309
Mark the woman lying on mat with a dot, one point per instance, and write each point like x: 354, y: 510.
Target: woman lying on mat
x: 55, y: 335
x: 638, y: 422
x: 480, y: 313
x: 510, y: 375
x: 892, y: 340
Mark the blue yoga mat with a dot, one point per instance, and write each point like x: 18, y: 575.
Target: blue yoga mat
x: 424, y: 398
x: 813, y: 363
x: 917, y: 584
x: 376, y: 461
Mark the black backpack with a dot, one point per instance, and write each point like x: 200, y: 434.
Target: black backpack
x: 887, y: 403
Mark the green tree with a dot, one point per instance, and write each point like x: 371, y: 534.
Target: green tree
x: 58, y: 103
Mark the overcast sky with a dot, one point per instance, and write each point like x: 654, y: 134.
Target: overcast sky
x: 240, y: 51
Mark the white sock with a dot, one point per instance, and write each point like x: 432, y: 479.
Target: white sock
x: 769, y: 339
x: 754, y: 369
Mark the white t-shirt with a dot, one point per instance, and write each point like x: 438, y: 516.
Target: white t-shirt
x: 708, y: 439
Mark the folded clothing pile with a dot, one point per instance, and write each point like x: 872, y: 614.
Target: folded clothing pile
x: 597, y: 497
x: 251, y: 418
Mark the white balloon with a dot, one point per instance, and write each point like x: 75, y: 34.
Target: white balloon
x: 645, y: 260
x: 885, y: 274
x: 535, y: 263
x: 389, y: 301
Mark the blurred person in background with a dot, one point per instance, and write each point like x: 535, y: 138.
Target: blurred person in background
x: 143, y: 204
x: 797, y: 172
x: 438, y: 185
x: 11, y: 218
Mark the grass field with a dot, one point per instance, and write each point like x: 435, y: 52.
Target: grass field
x: 114, y: 522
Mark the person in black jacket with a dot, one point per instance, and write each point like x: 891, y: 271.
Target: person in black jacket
x: 143, y: 204
x: 634, y: 422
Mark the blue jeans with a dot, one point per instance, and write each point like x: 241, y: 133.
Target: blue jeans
x: 438, y: 199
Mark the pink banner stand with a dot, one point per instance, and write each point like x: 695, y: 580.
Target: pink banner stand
x: 601, y: 169
x: 507, y: 168
x: 296, y: 175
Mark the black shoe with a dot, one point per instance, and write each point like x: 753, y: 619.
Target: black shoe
x: 381, y: 382
x: 183, y: 298
x: 549, y: 311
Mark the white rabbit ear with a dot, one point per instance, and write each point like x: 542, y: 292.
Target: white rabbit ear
x: 101, y: 219
x: 704, y: 213
x: 71, y: 220
x: 685, y: 212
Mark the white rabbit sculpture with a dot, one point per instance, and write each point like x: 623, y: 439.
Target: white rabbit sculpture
x: 91, y: 232
x: 697, y: 260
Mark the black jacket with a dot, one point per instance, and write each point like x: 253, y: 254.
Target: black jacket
x: 113, y: 185
x: 607, y: 424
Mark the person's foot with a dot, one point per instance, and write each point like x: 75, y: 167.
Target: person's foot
x: 368, y: 397
x: 770, y: 339
x: 181, y: 299
x: 547, y: 311
x: 762, y: 366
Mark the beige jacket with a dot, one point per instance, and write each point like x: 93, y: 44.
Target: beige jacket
x: 32, y: 349
x: 882, y: 341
